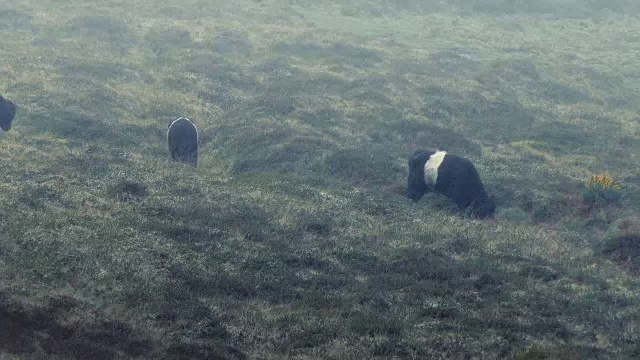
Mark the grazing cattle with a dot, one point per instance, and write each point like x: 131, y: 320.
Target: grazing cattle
x: 182, y: 137
x: 452, y: 176
x: 7, y: 113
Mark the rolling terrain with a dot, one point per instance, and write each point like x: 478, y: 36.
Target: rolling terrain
x: 293, y: 238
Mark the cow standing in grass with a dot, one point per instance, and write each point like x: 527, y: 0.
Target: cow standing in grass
x: 182, y: 137
x: 7, y: 113
x: 452, y: 176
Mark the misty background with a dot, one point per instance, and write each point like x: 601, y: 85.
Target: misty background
x: 293, y: 238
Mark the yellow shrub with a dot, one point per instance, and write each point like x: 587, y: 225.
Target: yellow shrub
x: 601, y: 188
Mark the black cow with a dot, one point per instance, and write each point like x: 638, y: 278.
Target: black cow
x: 452, y: 176
x: 182, y: 137
x: 7, y: 113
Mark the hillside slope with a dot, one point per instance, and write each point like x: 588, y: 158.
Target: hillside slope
x: 293, y: 238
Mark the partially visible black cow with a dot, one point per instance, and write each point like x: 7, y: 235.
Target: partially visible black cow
x: 7, y: 113
x: 452, y: 176
x: 182, y: 137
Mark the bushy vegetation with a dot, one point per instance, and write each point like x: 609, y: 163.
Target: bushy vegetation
x: 601, y: 189
x: 293, y: 238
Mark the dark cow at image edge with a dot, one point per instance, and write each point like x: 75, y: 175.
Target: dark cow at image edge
x: 7, y: 113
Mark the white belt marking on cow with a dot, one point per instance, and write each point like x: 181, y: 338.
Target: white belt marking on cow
x: 431, y: 168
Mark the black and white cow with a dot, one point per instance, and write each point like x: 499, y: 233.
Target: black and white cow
x: 182, y: 138
x: 452, y: 176
x: 7, y: 113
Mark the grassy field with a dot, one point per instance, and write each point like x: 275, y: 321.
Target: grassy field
x: 293, y: 239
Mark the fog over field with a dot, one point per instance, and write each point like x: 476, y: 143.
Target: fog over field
x: 276, y: 222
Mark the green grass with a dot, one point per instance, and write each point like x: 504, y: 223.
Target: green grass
x: 293, y: 238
